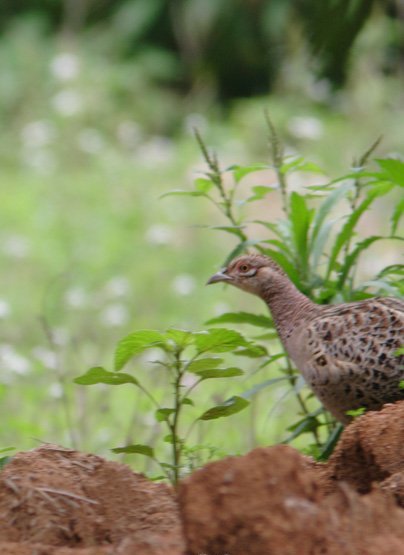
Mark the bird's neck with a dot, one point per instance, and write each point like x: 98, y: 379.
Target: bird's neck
x: 288, y: 306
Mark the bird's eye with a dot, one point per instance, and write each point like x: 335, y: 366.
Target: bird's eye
x: 244, y: 268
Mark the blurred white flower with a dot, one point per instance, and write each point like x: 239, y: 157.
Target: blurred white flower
x: 76, y: 297
x: 65, y: 66
x: 56, y: 390
x: 128, y: 133
x: 60, y: 336
x: 220, y: 308
x: 15, y: 246
x: 46, y: 356
x: 41, y: 161
x: 90, y: 140
x: 158, y: 150
x: 4, y: 309
x: 117, y: 286
x: 67, y: 102
x: 184, y: 284
x: 195, y: 121
x: 11, y: 361
x: 306, y: 127
x: 159, y: 234
x: 37, y: 134
x: 115, y: 314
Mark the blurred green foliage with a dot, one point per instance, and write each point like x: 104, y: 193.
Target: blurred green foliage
x: 96, y: 125
x: 233, y: 48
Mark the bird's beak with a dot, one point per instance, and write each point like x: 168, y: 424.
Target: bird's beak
x: 220, y: 276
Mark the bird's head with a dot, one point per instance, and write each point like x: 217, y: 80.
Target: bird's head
x: 252, y: 272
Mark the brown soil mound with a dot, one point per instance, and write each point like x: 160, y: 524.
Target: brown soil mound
x: 371, y: 450
x: 272, y: 501
x: 53, y: 497
x: 269, y: 502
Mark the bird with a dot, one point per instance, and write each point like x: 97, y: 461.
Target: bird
x: 346, y: 352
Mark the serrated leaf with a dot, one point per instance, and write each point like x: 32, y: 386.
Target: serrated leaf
x: 181, y: 337
x: 219, y: 373
x: 137, y: 448
x: 218, y: 340
x: 242, y: 318
x: 134, y: 344
x: 100, y: 375
x: 204, y: 364
x: 393, y: 169
x: 163, y: 414
x: 231, y: 406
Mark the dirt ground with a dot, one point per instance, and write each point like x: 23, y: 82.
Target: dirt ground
x: 272, y: 501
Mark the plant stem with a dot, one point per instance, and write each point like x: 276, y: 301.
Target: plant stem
x: 277, y: 156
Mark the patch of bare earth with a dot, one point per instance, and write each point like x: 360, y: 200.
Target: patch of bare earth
x: 272, y: 501
x: 59, y: 501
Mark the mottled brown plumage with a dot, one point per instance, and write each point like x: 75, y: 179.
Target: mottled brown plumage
x: 345, y: 352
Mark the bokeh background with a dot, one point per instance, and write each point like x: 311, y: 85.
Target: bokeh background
x: 98, y: 102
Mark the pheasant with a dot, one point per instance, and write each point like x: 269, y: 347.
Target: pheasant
x: 346, y: 352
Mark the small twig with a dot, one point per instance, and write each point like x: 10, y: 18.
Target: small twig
x: 67, y: 494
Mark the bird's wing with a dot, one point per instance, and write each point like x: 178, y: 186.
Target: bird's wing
x: 351, y: 348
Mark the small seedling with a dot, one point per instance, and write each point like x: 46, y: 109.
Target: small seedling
x: 186, y: 353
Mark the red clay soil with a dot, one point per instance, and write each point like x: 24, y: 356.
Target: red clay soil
x: 272, y: 501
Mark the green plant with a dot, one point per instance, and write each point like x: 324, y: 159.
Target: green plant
x: 317, y: 247
x: 185, y: 354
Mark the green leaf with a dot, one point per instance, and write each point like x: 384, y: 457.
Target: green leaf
x: 163, y: 414
x: 242, y: 318
x: 401, y: 384
x: 241, y: 171
x: 236, y: 230
x: 203, y: 185
x: 138, y: 448
x: 179, y: 192
x: 187, y: 401
x: 5, y: 449
x: 330, y: 443
x: 231, y: 406
x: 393, y: 170
x: 352, y: 258
x: 300, y: 217
x: 100, y: 375
x: 346, y: 232
x: 260, y: 191
x: 397, y: 353
x: 356, y: 412
x: 181, y: 337
x: 285, y: 264
x: 204, y: 364
x: 136, y: 343
x: 267, y: 383
x: 252, y: 351
x: 396, y: 216
x: 219, y: 373
x: 218, y: 340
